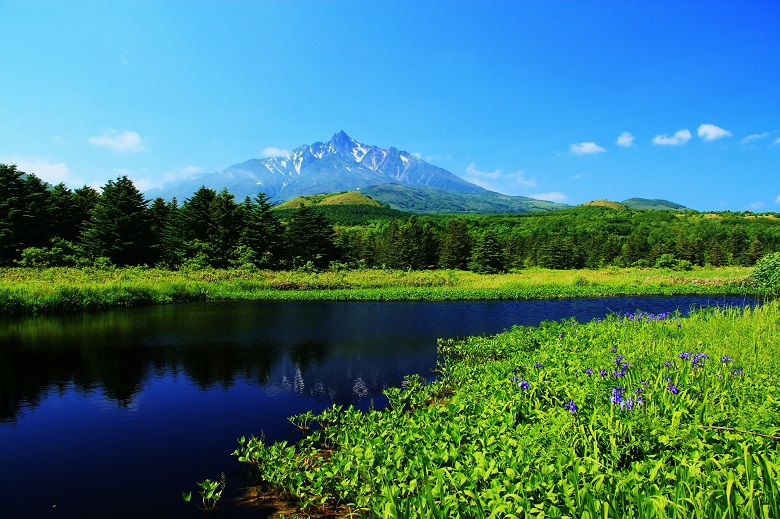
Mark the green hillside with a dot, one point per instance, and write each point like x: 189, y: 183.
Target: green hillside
x: 605, y: 203
x: 427, y: 200
x: 345, y: 208
x: 655, y: 204
x: 342, y: 198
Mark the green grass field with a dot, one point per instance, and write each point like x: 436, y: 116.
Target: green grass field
x: 61, y: 289
x: 631, y: 416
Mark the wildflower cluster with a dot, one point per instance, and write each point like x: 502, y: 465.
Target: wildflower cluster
x: 647, y: 317
x: 520, y: 379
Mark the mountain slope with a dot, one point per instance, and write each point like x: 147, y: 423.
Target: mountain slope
x: 429, y: 200
x: 341, y: 164
x: 656, y: 204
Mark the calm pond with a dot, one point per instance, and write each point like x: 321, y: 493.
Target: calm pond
x: 115, y: 413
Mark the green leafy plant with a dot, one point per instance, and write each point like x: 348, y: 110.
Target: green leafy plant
x: 635, y: 415
x: 210, y: 493
x: 766, y: 273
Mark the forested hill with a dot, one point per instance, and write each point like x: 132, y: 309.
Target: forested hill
x: 346, y: 208
x: 430, y: 200
x: 43, y: 226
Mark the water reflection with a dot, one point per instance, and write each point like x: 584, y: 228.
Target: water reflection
x: 338, y: 352
x: 145, y: 401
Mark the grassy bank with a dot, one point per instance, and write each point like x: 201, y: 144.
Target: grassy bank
x: 632, y: 416
x: 61, y: 289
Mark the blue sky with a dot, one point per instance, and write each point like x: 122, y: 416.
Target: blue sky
x: 568, y: 101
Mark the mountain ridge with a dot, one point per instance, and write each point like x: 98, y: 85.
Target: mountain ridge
x: 391, y: 176
x: 341, y: 164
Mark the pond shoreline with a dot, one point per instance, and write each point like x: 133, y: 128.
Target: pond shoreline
x: 34, y: 291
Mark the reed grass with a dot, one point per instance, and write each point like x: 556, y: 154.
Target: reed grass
x: 24, y: 290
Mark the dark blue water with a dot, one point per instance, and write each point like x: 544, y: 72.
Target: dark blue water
x: 113, y: 414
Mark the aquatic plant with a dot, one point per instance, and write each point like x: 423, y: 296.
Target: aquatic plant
x: 210, y: 493
x: 675, y: 435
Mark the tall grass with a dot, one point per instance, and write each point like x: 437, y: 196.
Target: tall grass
x: 632, y: 416
x: 63, y: 289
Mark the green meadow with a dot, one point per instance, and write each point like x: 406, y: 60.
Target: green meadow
x: 31, y: 290
x: 631, y: 416
x: 634, y: 415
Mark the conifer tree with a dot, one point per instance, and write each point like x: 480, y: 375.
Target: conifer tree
x: 24, y: 213
x: 488, y: 255
x: 226, y: 219
x: 11, y: 213
x: 263, y: 232
x: 119, y: 227
x: 196, y: 212
x: 310, y: 238
x: 455, y: 245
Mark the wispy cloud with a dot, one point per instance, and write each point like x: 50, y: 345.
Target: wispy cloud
x: 754, y: 137
x: 510, y: 183
x: 710, y: 132
x: 680, y: 137
x: 586, y: 148
x: 185, y: 173
x: 125, y: 142
x: 777, y: 200
x: 755, y: 206
x: 51, y: 172
x: 776, y: 141
x: 551, y: 197
x: 625, y: 139
x: 275, y: 153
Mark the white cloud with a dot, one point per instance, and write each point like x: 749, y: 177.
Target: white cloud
x: 125, y: 142
x: 550, y: 197
x: 710, y: 132
x: 754, y: 137
x: 187, y: 172
x: 586, y: 148
x: 51, y: 172
x: 680, y: 137
x: 417, y: 155
x: 625, y: 139
x: 275, y: 152
x: 777, y: 200
x: 509, y: 183
x: 776, y: 141
x: 755, y: 206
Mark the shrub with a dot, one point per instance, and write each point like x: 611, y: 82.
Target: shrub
x: 766, y: 273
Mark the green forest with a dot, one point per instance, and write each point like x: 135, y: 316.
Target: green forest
x: 48, y: 226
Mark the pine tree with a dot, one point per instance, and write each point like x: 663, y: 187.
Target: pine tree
x: 24, y: 213
x: 11, y: 213
x: 263, y: 233
x: 196, y: 212
x: 119, y: 227
x: 172, y: 249
x: 226, y: 220
x: 455, y: 245
x: 310, y: 238
x: 488, y: 255
x: 159, y: 212
x: 63, y: 213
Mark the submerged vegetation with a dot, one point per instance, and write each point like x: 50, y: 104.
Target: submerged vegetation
x: 636, y: 415
x: 29, y: 290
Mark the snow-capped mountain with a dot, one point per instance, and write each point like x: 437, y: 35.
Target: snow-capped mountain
x: 341, y: 164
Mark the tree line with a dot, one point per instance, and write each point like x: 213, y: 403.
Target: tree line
x: 43, y: 225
